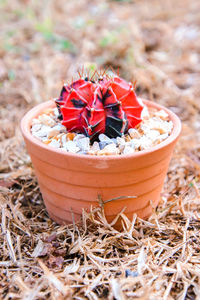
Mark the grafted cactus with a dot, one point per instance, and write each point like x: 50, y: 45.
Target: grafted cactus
x: 108, y: 105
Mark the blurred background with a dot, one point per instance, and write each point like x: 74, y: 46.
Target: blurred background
x: 43, y: 43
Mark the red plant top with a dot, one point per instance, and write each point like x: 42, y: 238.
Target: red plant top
x: 108, y: 106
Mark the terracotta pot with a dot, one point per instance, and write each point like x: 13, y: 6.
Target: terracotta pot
x: 70, y: 182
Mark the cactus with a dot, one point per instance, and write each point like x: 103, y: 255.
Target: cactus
x: 107, y: 105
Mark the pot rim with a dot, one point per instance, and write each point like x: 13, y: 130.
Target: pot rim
x: 37, y: 110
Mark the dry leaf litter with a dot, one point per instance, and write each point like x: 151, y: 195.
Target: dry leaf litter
x: 155, y: 42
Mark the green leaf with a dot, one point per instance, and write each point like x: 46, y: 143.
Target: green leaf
x: 10, y: 33
x: 8, y: 46
x: 11, y: 75
x: 19, y: 13
x: 66, y: 45
x: 109, y: 39
x: 90, y: 66
x: 46, y: 28
x: 3, y: 2
x: 63, y: 44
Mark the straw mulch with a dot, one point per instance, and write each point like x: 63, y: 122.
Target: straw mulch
x: 154, y: 42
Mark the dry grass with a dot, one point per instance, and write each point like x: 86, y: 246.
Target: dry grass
x: 158, y: 44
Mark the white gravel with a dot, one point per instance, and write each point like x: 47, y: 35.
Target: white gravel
x: 154, y: 128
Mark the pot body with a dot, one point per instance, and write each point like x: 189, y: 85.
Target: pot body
x: 72, y: 182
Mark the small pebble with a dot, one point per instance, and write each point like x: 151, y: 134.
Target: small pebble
x: 82, y: 152
x: 71, y: 147
x: 53, y: 132
x: 46, y: 120
x: 121, y: 148
x: 102, y: 145
x: 48, y: 111
x: 60, y: 127
x: 78, y: 137
x: 35, y: 121
x: 84, y: 144
x: 56, y: 112
x: 36, y: 127
x: 163, y: 137
x: 105, y: 138
x: 162, y: 114
x: 133, y: 133
x: 145, y: 113
x: 64, y: 139
x: 145, y: 143
x: 95, y: 146
x: 109, y: 149
x: 42, y: 132
x: 114, y: 140
x: 120, y: 141
x: 153, y: 135
x: 54, y: 143
x: 128, y: 150
x: 135, y: 143
x: 144, y: 127
x: 70, y: 136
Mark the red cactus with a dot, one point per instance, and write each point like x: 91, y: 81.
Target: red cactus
x: 108, y: 105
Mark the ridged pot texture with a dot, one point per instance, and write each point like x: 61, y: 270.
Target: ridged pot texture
x: 72, y: 182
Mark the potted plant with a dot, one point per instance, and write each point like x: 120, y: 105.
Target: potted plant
x: 71, y: 181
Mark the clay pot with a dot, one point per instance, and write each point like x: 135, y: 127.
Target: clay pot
x: 70, y: 182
